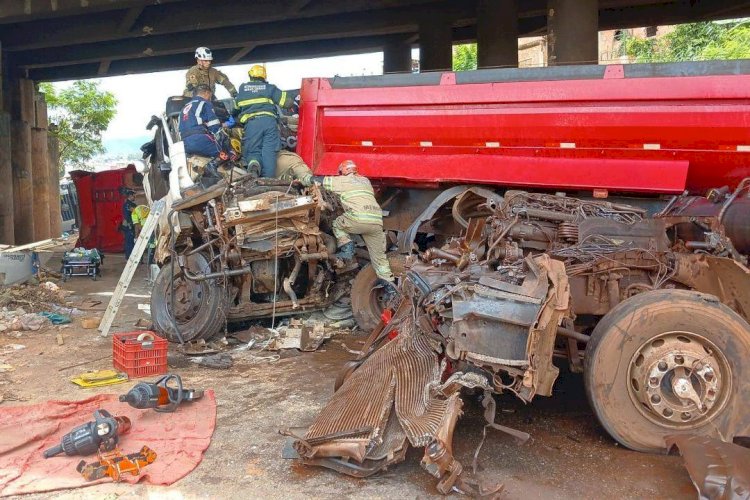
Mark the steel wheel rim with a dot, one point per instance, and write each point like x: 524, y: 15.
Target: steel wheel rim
x: 679, y: 380
x: 189, y: 297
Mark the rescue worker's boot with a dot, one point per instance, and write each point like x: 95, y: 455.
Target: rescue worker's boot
x: 390, y: 292
x: 346, y: 251
x: 345, y: 260
x: 211, y: 173
x: 253, y: 168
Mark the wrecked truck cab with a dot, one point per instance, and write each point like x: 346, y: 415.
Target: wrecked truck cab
x: 653, y: 310
x: 237, y: 249
x: 252, y: 248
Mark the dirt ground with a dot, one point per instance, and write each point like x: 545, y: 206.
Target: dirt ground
x: 569, y: 454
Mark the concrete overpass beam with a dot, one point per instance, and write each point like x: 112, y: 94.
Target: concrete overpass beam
x: 497, y: 33
x: 572, y: 32
x: 397, y: 58
x: 435, y: 44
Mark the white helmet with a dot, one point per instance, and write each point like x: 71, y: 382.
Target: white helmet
x: 204, y: 53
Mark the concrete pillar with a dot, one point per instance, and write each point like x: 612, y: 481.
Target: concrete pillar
x: 435, y: 44
x: 397, y: 58
x: 3, y: 63
x: 41, y: 180
x: 497, y: 33
x: 572, y: 32
x: 23, y: 200
x: 24, y: 101
x: 55, y: 210
x: 7, y: 236
x: 40, y: 111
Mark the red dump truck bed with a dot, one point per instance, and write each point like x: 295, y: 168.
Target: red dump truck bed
x: 628, y: 128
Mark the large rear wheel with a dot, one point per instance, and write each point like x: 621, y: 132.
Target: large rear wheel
x: 367, y: 297
x: 199, y: 307
x: 668, y: 362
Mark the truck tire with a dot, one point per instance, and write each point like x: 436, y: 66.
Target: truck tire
x: 202, y: 304
x: 367, y: 299
x: 667, y: 362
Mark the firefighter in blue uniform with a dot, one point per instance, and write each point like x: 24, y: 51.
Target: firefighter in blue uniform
x: 256, y: 103
x: 199, y: 123
x: 198, y: 127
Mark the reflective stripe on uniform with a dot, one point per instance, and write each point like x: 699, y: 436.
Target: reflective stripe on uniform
x: 213, y: 122
x: 198, y: 110
x: 328, y: 183
x: 364, y: 216
x: 354, y: 193
x: 247, y: 116
x: 283, y: 98
x: 257, y: 100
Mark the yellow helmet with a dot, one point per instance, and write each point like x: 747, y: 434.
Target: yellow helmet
x: 257, y: 71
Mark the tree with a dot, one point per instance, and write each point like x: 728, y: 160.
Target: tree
x: 78, y: 115
x: 692, y: 42
x: 465, y: 57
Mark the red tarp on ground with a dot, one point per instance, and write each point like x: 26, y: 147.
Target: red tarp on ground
x: 100, y: 206
x: 179, y: 440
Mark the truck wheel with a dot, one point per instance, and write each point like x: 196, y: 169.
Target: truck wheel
x: 667, y: 362
x: 367, y: 298
x: 200, y: 306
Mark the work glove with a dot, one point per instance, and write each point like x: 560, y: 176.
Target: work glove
x: 231, y: 122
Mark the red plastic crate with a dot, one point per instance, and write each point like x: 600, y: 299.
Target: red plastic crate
x: 139, y: 358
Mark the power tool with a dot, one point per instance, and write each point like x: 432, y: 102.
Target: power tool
x: 159, y: 395
x: 100, y: 435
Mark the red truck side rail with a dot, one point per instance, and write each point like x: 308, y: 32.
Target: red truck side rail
x: 633, y: 128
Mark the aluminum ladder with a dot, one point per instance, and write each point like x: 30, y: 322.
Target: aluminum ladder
x: 127, y: 273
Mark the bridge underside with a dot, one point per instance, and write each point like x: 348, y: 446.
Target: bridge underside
x: 49, y: 40
x: 90, y: 38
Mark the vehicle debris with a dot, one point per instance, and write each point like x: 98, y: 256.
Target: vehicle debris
x: 200, y: 348
x: 218, y: 361
x: 304, y: 336
x: 254, y: 333
x: 718, y: 470
x: 535, y: 277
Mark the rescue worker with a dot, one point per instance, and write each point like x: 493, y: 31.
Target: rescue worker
x: 363, y: 216
x: 291, y: 167
x: 256, y: 108
x: 198, y: 126
x: 139, y: 215
x: 126, y: 226
x: 203, y: 74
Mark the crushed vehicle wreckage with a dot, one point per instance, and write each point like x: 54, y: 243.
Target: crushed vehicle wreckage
x: 249, y: 248
x: 238, y: 248
x: 653, y: 310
